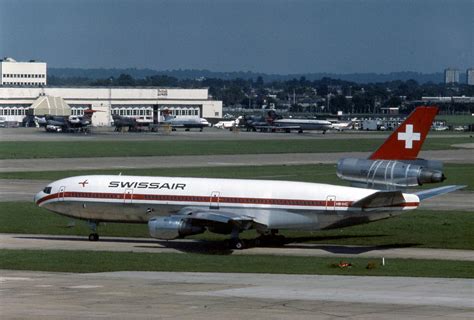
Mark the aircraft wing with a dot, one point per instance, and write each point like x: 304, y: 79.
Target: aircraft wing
x: 209, y: 217
x: 426, y: 194
x: 219, y: 216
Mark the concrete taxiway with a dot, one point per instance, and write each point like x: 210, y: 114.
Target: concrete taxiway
x: 175, y: 295
x: 120, y: 244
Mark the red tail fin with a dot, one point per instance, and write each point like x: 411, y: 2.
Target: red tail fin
x: 405, y: 142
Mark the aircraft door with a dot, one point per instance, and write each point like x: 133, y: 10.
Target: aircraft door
x: 61, y: 193
x: 330, y: 203
x: 214, y: 200
x: 128, y: 196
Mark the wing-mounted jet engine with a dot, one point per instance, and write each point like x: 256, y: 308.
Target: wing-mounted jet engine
x: 395, y: 164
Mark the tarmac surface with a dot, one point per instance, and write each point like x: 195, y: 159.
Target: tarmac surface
x: 104, y: 133
x: 177, y: 295
x: 39, y: 134
x: 120, y: 244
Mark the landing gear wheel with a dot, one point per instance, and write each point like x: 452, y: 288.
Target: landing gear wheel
x: 93, y: 237
x: 237, y: 244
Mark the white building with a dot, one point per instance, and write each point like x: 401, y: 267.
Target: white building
x: 451, y: 75
x: 13, y: 73
x: 146, y: 103
x: 470, y: 76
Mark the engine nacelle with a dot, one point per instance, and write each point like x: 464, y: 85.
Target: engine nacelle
x: 172, y: 227
x: 389, y: 174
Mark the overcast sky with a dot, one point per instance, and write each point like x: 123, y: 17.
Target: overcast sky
x: 298, y: 36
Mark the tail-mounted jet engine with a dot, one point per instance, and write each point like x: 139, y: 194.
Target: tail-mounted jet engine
x: 172, y: 227
x: 390, y: 174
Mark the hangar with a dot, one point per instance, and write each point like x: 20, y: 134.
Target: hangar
x: 138, y: 102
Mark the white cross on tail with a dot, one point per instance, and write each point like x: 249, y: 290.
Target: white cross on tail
x: 409, y: 136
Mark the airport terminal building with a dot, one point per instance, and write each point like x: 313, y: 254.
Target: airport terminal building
x: 137, y: 102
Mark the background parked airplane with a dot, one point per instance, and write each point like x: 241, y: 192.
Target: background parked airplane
x: 274, y: 122
x: 69, y: 123
x: 185, y: 123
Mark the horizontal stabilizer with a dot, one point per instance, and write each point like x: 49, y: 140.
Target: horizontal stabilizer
x: 437, y: 191
x: 381, y: 199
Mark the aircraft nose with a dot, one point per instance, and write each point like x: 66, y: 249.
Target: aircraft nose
x: 38, y: 197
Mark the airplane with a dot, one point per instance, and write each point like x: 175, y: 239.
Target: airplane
x: 342, y: 125
x: 176, y: 207
x: 394, y: 165
x: 185, y: 123
x: 275, y: 122
x: 133, y: 124
x: 68, y: 123
x: 302, y: 125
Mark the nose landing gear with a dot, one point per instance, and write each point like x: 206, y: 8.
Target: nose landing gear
x: 94, y: 236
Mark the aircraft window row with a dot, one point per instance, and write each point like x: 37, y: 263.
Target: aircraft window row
x: 232, y: 200
x: 14, y: 75
x: 47, y: 190
x: 270, y: 201
x: 12, y: 112
x: 96, y: 195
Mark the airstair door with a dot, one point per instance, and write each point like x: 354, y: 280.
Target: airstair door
x: 214, y: 201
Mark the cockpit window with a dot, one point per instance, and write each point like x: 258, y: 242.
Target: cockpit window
x: 47, y: 190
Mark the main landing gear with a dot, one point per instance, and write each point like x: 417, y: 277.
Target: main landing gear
x: 94, y: 236
x: 235, y: 241
x: 271, y: 239
x: 266, y: 239
x: 237, y: 244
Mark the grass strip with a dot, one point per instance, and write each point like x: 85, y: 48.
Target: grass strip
x: 428, y: 229
x: 96, y: 261
x: 61, y: 149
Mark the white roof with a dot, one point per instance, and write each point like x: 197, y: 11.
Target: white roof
x: 55, y: 106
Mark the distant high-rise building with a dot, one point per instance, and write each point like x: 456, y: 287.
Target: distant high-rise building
x: 470, y: 76
x: 451, y: 75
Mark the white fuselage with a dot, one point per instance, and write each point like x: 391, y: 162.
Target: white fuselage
x: 304, y: 124
x: 271, y: 204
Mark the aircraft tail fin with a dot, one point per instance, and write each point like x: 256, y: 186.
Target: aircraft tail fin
x: 406, y: 141
x: 426, y: 194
